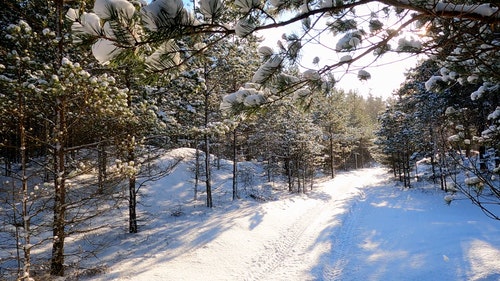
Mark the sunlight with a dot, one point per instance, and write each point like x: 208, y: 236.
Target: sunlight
x: 484, y: 260
x: 381, y: 204
x: 387, y: 255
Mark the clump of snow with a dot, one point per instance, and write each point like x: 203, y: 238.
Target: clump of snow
x: 472, y: 181
x: 409, y: 44
x: 167, y: 9
x: 495, y: 114
x: 105, y: 8
x: 72, y: 15
x: 66, y: 62
x: 450, y: 110
x: 199, y: 46
x: 349, y: 41
x: 165, y: 56
x: 288, y: 79
x: 448, y: 198
x: 105, y: 50
x: 210, y: 8
x: 267, y: 69
x: 244, y: 27
x: 301, y: 93
x: 485, y: 10
x: 364, y: 75
x: 108, y: 30
x: 473, y: 78
x: 311, y: 74
x: 346, y: 58
x: 454, y: 138
x: 433, y: 83
x: 478, y: 93
x: 265, y: 51
x: 89, y: 23
x: 254, y: 100
x: 246, y: 5
x: 247, y: 96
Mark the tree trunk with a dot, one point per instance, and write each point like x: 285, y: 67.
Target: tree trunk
x: 132, y: 204
x: 208, y: 181
x: 101, y: 163
x: 208, y: 176
x: 235, y: 167
x: 482, y: 161
x: 196, y: 171
x: 332, y: 160
x: 25, y: 197
x: 59, y: 221
x: 289, y: 172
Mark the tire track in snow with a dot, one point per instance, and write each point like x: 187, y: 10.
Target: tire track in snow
x: 342, y: 239
x: 289, y: 241
x: 341, y: 242
x: 299, y: 247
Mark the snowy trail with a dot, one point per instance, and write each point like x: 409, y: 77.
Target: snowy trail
x: 355, y: 227
x: 280, y: 240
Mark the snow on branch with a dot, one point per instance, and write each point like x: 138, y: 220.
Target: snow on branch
x: 265, y: 71
x: 244, y: 27
x: 246, y: 5
x: 105, y: 9
x: 165, y: 57
x: 211, y: 9
x: 484, y: 10
x: 247, y: 96
x: 105, y: 50
x: 163, y: 13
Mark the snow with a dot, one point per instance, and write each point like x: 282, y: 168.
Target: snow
x: 409, y: 43
x: 363, y: 75
x: 104, y: 50
x: 269, y: 67
x: 485, y: 10
x: 348, y: 41
x: 346, y: 58
x: 90, y: 24
x: 433, y: 83
x: 311, y: 74
x: 209, y: 8
x: 358, y: 226
x: 166, y: 8
x: 104, y: 8
x: 244, y: 27
x: 246, y: 5
x: 265, y: 51
x: 495, y: 114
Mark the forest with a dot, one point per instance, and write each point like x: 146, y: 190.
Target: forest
x: 93, y: 92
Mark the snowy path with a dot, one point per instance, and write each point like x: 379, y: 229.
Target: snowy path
x: 352, y: 228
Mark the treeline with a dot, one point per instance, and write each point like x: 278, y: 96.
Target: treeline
x: 75, y: 135
x: 449, y: 125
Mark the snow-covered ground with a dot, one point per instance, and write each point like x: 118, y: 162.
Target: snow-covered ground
x: 358, y: 226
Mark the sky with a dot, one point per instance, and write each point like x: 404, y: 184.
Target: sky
x: 387, y: 73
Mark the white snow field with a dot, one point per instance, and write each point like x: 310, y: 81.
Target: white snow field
x: 358, y: 226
